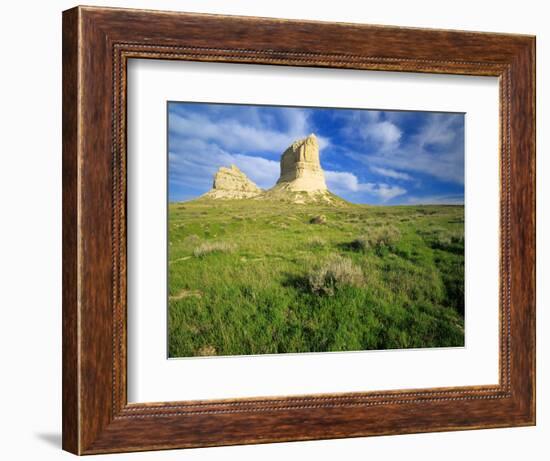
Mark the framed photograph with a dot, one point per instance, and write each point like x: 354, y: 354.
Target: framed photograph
x: 282, y: 230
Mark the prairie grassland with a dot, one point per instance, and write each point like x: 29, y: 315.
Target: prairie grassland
x: 264, y: 277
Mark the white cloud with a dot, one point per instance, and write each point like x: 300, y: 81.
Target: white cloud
x: 384, y: 133
x: 387, y: 192
x: 229, y: 134
x: 439, y: 130
x: 436, y: 150
x: 250, y: 134
x: 369, y: 126
x: 193, y: 163
x: 296, y: 120
x: 436, y: 200
x: 323, y: 143
x: 342, y: 181
x: 263, y: 172
x: 391, y: 173
x: 345, y: 182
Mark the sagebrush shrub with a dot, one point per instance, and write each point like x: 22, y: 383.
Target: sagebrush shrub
x: 448, y: 242
x: 377, y: 238
x: 333, y: 275
x: 361, y: 243
x: 387, y: 236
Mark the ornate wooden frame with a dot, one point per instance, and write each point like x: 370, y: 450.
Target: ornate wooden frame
x: 97, y: 43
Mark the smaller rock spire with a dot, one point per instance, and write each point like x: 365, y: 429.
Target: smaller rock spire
x: 232, y: 183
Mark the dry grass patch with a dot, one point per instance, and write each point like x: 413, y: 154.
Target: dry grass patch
x: 186, y: 294
x: 192, y: 240
x: 207, y: 248
x: 206, y: 351
x: 317, y: 242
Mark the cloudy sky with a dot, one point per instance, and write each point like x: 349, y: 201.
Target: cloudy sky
x: 369, y: 156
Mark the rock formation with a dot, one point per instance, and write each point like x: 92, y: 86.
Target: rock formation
x: 232, y: 183
x: 300, y: 167
x: 301, y: 181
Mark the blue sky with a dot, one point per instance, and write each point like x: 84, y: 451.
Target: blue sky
x: 369, y: 156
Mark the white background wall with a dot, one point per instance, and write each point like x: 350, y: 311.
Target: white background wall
x: 30, y: 229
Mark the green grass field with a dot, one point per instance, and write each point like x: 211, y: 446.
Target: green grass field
x: 264, y: 277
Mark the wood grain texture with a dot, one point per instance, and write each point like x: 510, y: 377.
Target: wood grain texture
x: 97, y: 42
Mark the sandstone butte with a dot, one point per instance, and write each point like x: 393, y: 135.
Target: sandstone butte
x: 300, y: 167
x: 301, y: 179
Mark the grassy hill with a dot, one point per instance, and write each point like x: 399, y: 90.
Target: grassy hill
x: 260, y: 277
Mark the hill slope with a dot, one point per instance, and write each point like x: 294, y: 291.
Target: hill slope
x: 250, y: 277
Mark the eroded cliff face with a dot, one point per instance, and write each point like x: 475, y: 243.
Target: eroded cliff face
x: 300, y: 167
x: 232, y: 183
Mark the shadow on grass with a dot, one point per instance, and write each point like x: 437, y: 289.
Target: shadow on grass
x: 298, y: 282
x: 354, y: 246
